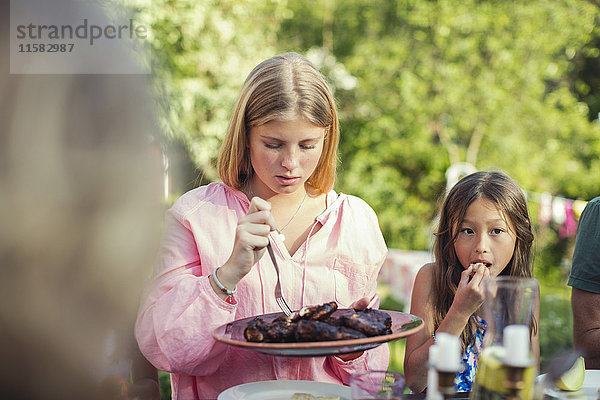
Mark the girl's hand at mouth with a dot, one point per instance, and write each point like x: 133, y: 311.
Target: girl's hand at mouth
x: 476, y: 267
x: 469, y: 293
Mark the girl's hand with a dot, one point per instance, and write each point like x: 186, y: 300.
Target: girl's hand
x: 469, y: 294
x: 251, y: 239
x: 360, y: 304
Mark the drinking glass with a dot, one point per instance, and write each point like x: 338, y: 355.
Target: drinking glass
x: 375, y: 384
x: 509, y: 301
x: 506, y: 366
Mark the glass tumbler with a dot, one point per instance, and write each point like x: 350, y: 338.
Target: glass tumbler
x: 374, y: 384
x: 506, y: 367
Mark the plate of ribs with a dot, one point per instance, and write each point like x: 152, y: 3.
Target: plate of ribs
x: 319, y: 330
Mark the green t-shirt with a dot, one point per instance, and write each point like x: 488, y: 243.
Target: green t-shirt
x: 585, y: 271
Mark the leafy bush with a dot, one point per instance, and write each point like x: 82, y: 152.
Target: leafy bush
x: 556, y: 323
x: 164, y: 379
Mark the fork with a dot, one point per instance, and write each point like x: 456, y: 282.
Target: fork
x: 278, y: 295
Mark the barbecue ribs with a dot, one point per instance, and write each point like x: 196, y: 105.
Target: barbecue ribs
x: 319, y: 323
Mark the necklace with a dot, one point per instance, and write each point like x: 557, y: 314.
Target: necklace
x: 280, y: 231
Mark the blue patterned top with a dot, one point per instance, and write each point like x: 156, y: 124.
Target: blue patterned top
x: 464, y: 380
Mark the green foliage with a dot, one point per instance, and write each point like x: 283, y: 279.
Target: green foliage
x: 397, y: 350
x: 420, y: 86
x: 556, y: 323
x: 164, y: 380
x: 201, y: 52
x: 490, y: 83
x: 397, y: 347
x: 389, y: 302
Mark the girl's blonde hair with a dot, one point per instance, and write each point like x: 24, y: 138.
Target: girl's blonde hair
x: 506, y: 194
x: 282, y: 88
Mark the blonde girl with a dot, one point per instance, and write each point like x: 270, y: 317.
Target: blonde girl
x: 277, y: 165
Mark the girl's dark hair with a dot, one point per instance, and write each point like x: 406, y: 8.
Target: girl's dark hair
x: 510, y: 199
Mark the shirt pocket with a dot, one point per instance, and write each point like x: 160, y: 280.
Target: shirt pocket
x: 351, y: 281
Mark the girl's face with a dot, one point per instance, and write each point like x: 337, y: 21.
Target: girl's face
x: 284, y: 155
x: 485, y: 236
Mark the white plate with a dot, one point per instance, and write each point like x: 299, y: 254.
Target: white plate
x: 283, y: 390
x: 589, y: 389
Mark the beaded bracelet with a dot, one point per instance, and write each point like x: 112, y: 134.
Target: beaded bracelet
x: 220, y: 285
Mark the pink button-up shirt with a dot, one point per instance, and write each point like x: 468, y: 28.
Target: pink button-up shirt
x: 180, y: 310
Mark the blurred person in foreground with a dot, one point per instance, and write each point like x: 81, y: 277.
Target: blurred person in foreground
x: 585, y: 282
x: 79, y: 208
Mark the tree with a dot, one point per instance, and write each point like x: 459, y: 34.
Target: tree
x: 201, y: 53
x: 421, y: 85
x: 446, y: 82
